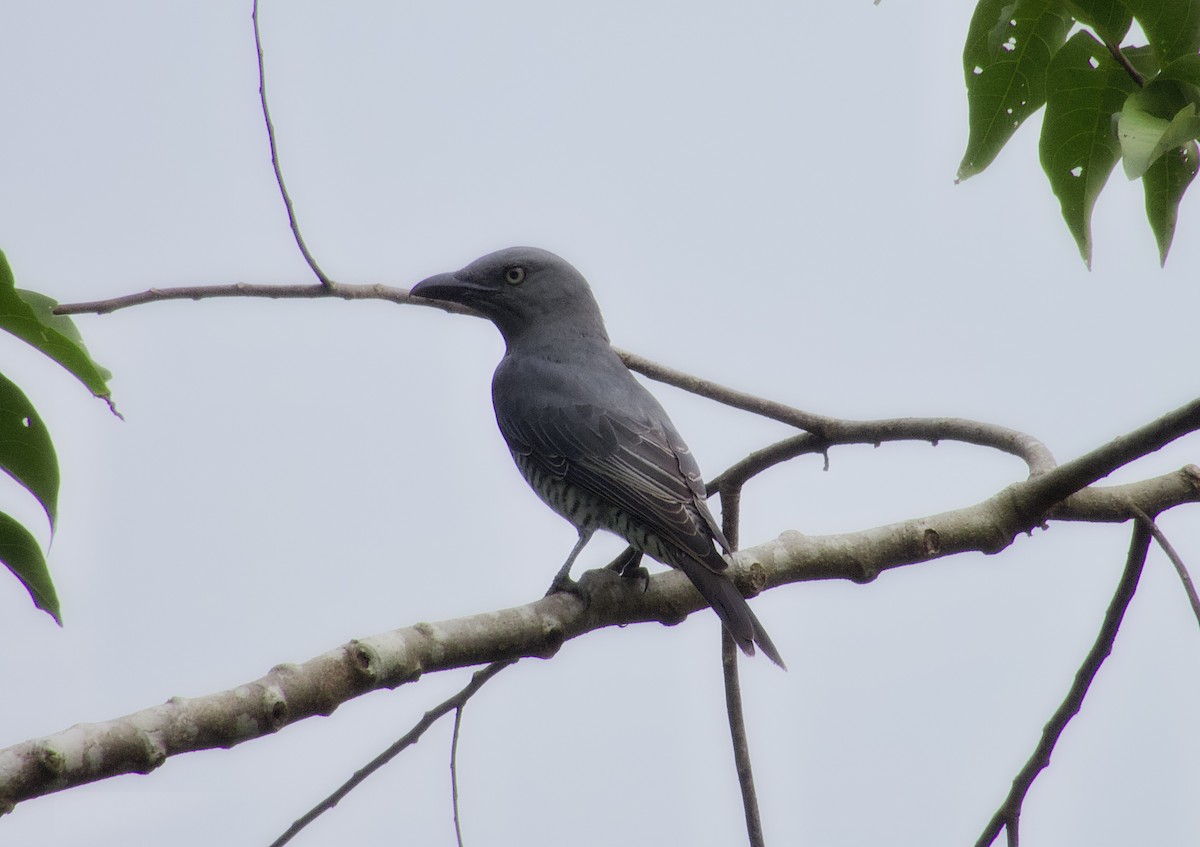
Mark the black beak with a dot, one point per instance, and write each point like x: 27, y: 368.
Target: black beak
x: 448, y: 288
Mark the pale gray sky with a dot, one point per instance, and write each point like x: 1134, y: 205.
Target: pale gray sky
x: 761, y: 194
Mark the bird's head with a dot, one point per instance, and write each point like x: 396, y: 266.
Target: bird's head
x: 524, y: 291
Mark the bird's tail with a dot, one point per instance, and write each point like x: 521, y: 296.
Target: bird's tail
x: 732, y: 608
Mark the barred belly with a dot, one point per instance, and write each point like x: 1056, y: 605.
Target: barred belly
x: 589, y: 512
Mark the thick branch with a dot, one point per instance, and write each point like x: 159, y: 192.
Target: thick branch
x: 140, y: 742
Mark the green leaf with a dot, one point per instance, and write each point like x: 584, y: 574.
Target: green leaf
x: 1173, y: 26
x: 1109, y: 18
x: 1085, y: 88
x: 1160, y: 117
x: 1139, y: 133
x: 1008, y: 50
x: 1165, y: 183
x: 26, y: 452
x: 1184, y: 69
x: 27, y: 315
x: 20, y: 552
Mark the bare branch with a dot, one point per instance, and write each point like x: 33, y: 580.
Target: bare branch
x: 741, y: 745
x: 829, y: 431
x: 741, y: 472
x: 239, y: 289
x: 731, y: 508
x: 1176, y: 560
x: 1007, y: 817
x: 1111, y: 503
x: 1041, y: 493
x: 142, y: 741
x: 826, y: 430
x: 326, y: 282
x: 455, y: 703
x: 458, y: 713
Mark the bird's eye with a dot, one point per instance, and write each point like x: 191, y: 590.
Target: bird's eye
x: 514, y: 275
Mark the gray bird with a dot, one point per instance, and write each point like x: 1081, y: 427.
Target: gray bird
x: 588, y: 438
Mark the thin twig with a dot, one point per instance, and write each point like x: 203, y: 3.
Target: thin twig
x: 827, y: 430
x: 1008, y: 816
x: 458, y: 713
x: 341, y: 291
x: 731, y: 500
x: 287, y: 200
x: 411, y: 737
x: 838, y: 431
x: 737, y: 732
x: 1176, y: 560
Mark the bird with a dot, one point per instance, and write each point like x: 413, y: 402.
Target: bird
x: 592, y: 441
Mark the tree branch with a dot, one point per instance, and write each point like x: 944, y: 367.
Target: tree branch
x: 142, y: 741
x: 326, y: 283
x: 244, y: 289
x: 741, y: 744
x: 731, y: 509
x: 830, y: 431
x: 826, y: 430
x: 1189, y: 587
x: 1008, y: 816
x: 454, y: 703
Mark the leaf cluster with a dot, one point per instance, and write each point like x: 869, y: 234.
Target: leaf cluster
x: 1106, y: 97
x: 26, y: 451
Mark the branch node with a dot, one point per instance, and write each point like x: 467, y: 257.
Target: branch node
x: 50, y: 759
x: 555, y: 637
x: 752, y: 579
x: 1192, y: 474
x: 866, y: 573
x: 374, y: 672
x: 932, y: 542
x: 276, y: 707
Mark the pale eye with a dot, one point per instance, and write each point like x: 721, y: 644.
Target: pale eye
x: 514, y: 275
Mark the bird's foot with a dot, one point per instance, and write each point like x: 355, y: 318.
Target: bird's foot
x: 640, y: 575
x: 563, y: 584
x: 628, y: 565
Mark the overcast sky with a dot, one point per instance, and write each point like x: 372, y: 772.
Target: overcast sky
x: 761, y: 194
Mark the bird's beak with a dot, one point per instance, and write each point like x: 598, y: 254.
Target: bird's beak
x: 449, y: 288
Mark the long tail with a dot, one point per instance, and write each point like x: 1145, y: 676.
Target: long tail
x: 732, y: 608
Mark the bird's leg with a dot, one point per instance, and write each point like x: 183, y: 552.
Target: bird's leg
x: 628, y: 565
x: 562, y: 580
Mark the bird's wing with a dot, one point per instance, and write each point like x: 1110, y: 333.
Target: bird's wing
x: 635, y: 464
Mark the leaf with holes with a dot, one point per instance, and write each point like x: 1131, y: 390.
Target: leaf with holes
x: 28, y: 316
x: 1165, y: 183
x: 1173, y: 26
x: 26, y: 452
x: 1078, y: 148
x: 21, y: 554
x: 1008, y: 50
